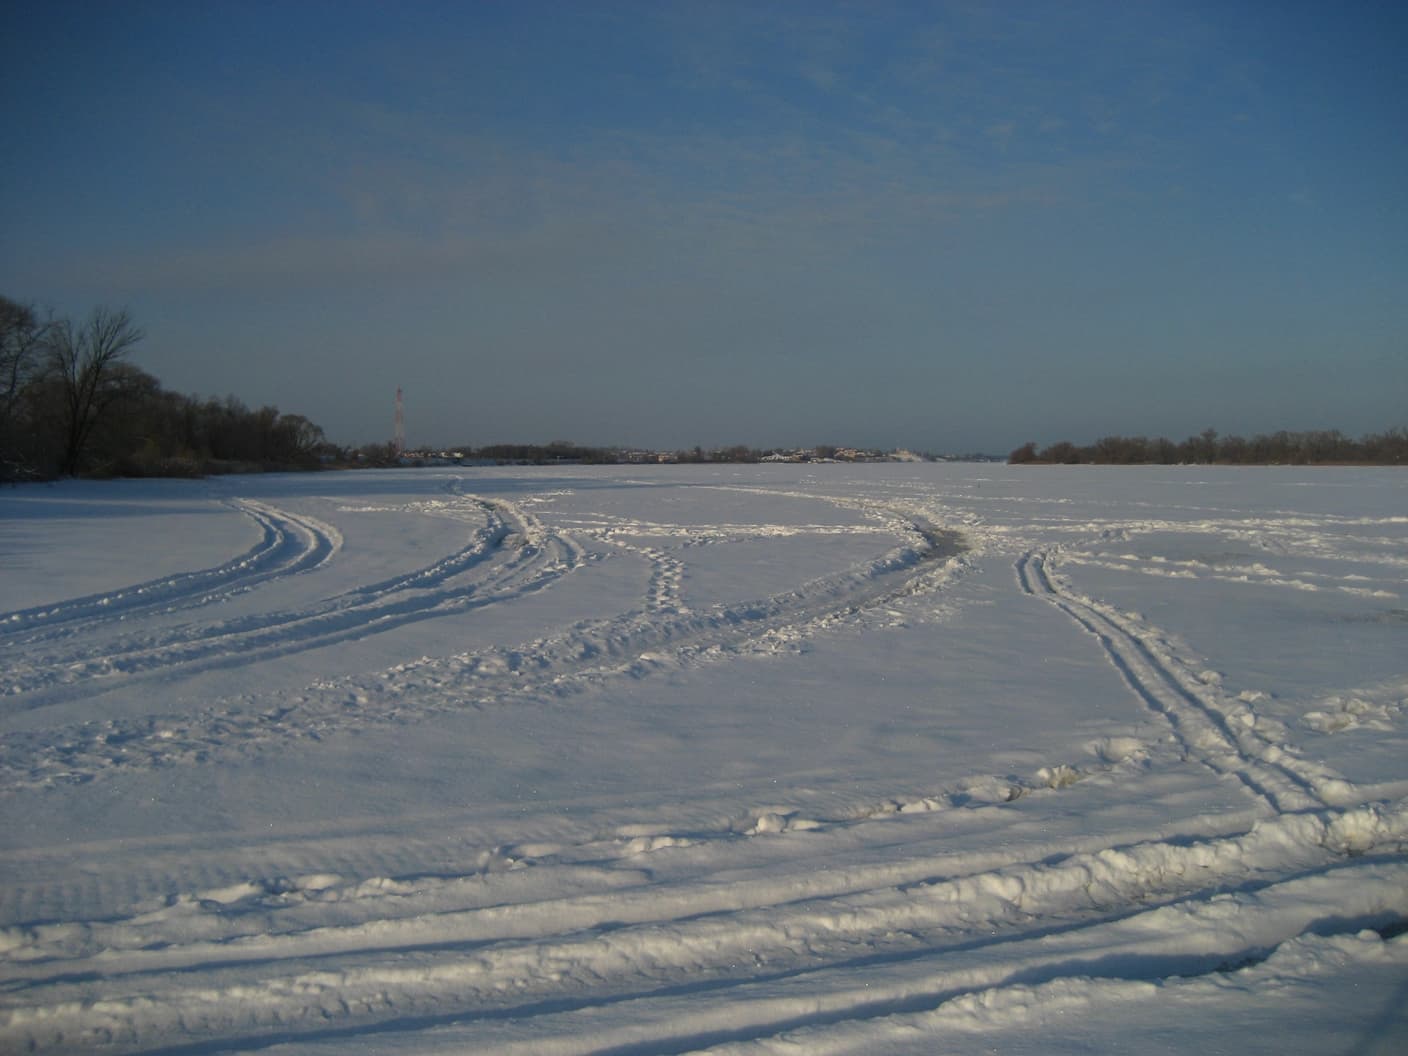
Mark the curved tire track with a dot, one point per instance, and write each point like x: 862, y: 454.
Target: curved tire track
x: 518, y: 554
x: 527, y: 558
x: 290, y: 544
x: 770, y: 924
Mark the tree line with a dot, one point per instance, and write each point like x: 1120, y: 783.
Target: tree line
x: 72, y: 404
x: 1316, y: 447
x: 558, y: 451
x: 565, y: 451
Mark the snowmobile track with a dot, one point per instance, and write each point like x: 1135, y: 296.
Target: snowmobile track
x: 513, y: 556
x: 290, y: 544
x: 1272, y: 772
x: 630, y: 645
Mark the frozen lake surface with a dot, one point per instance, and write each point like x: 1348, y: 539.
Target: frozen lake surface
x: 738, y: 759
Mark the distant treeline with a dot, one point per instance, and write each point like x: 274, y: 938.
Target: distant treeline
x: 1318, y: 447
x: 563, y: 451
x: 71, y: 404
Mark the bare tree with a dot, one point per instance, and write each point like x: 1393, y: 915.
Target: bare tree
x: 82, y: 359
x: 22, y: 334
x: 22, y: 337
x: 301, y: 436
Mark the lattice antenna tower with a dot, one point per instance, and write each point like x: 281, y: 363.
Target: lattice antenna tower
x: 398, y: 442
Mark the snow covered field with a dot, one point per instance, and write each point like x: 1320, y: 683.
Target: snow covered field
x: 745, y: 759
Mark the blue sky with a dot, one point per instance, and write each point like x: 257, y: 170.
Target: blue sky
x: 950, y: 226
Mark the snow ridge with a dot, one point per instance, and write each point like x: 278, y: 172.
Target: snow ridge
x: 771, y: 951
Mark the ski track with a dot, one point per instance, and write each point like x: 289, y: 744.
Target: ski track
x: 819, y: 928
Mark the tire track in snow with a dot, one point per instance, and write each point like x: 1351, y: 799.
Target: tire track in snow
x: 507, y: 959
x: 1202, y: 723
x: 985, y: 990
x: 664, y: 591
x: 290, y: 544
x: 396, y: 871
x: 520, y: 554
x: 762, y: 954
x: 628, y: 646
x: 261, y: 882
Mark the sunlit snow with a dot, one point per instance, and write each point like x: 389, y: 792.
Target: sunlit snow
x: 739, y: 759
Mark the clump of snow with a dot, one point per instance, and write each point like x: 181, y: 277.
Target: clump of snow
x: 1059, y: 776
x: 1356, y: 831
x: 1118, y: 749
x: 1340, y: 713
x: 647, y: 844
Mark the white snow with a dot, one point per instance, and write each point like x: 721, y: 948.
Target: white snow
x: 787, y: 758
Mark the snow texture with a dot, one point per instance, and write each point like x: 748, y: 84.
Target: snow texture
x: 775, y: 759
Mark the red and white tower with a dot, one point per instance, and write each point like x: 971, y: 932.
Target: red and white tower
x: 398, y: 442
